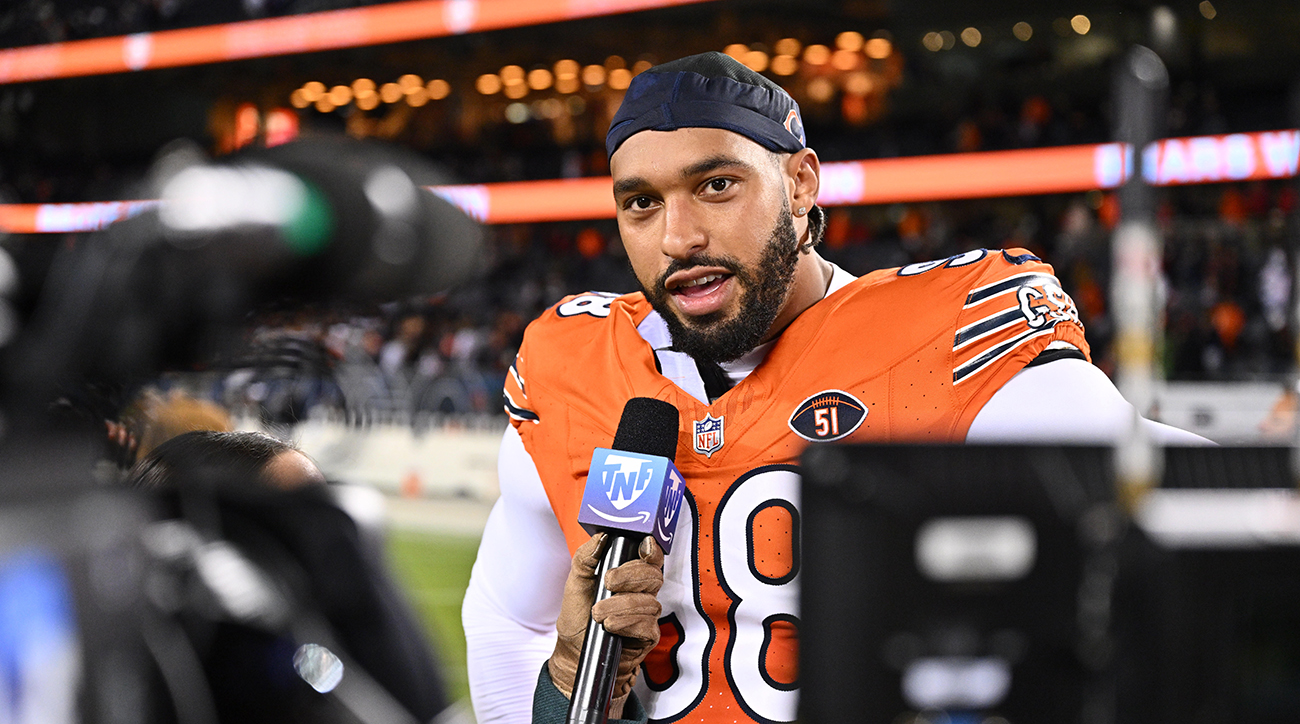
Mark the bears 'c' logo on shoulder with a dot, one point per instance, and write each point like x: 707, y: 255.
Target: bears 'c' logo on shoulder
x: 827, y: 416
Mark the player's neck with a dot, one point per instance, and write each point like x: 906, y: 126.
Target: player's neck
x: 812, y: 277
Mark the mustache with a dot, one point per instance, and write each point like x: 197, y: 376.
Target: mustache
x: 699, y: 260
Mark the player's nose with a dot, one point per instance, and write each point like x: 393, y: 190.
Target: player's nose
x: 684, y: 231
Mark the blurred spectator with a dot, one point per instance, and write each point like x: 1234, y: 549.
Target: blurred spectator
x: 155, y: 417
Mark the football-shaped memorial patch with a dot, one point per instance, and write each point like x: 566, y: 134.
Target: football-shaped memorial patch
x: 827, y: 416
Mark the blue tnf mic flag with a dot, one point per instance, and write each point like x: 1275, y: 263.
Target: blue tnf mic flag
x: 635, y: 488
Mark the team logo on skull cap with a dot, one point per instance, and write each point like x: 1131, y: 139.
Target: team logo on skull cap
x: 794, y: 125
x: 708, y: 435
x: 827, y: 416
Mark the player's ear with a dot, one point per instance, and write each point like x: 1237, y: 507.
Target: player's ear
x: 804, y: 169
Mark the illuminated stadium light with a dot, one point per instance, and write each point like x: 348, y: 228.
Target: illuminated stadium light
x: 850, y: 40
x: 784, y: 65
x: 620, y: 78
x: 736, y: 50
x: 566, y: 76
x: 821, y: 89
x: 949, y: 40
x: 515, y: 91
x: 593, y: 76
x: 1081, y: 24
x: 313, y: 91
x: 517, y: 113
x: 540, y: 79
x: 362, y: 88
x: 566, y: 68
x: 325, y: 105
x: 1207, y: 9
x: 879, y: 48
x: 845, y: 60
x: 410, y: 82
x: 438, y: 89
x: 755, y: 60
x: 641, y: 66
x: 816, y: 54
x: 614, y: 62
x: 971, y: 37
x: 390, y: 93
x: 417, y: 97
x: 932, y: 41
x: 787, y: 46
x: 298, y: 99
x: 340, y: 95
x: 512, y: 74
x: 1023, y: 31
x: 488, y: 84
x: 368, y: 103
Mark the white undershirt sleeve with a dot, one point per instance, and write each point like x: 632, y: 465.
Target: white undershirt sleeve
x: 1068, y: 400
x: 514, y: 591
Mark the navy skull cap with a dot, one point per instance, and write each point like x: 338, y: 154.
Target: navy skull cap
x: 709, y: 90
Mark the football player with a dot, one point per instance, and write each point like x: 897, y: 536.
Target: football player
x: 764, y: 348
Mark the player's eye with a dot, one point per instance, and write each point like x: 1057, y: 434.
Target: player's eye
x: 639, y: 203
x: 718, y: 185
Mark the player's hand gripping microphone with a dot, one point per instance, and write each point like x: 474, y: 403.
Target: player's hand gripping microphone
x: 631, y: 502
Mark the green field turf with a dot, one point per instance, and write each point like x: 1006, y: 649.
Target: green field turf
x: 434, y: 571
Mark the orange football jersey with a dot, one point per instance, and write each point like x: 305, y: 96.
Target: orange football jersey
x: 908, y: 354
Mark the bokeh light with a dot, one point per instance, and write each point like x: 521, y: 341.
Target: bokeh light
x: 438, y: 89
x: 784, y: 65
x: 879, y: 48
x: 850, y: 40
x: 488, y: 84
x: 816, y: 54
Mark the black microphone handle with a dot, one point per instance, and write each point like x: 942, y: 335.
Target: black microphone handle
x: 593, y: 685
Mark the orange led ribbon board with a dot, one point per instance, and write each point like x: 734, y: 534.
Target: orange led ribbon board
x: 331, y: 30
x: 1065, y: 169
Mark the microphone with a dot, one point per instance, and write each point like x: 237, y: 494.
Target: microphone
x: 633, y: 490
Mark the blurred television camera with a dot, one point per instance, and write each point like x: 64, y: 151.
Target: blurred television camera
x: 109, y: 598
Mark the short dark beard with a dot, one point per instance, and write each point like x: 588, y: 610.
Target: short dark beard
x: 712, y: 338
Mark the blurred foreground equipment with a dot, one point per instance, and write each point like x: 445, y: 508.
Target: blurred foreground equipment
x: 310, y: 221
x: 99, y: 601
x: 994, y: 584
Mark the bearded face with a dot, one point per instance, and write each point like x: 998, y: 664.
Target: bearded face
x: 726, y: 334
x: 705, y: 217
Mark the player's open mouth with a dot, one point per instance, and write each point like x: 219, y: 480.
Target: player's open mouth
x: 700, y: 293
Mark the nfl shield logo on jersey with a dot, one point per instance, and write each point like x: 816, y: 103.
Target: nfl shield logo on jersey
x: 708, y: 435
